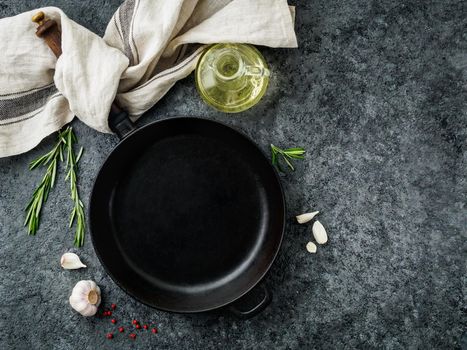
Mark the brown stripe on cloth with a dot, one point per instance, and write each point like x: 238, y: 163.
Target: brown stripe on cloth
x: 196, y: 53
x: 18, y: 93
x: 126, y: 13
x: 16, y: 106
x: 29, y: 116
x: 114, y: 19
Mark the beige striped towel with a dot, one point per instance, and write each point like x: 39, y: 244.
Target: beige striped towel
x: 148, y: 45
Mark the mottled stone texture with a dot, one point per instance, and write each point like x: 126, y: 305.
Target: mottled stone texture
x: 377, y: 94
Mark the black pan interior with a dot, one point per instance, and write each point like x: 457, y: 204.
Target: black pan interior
x: 187, y: 214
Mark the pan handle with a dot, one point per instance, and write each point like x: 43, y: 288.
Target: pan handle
x: 245, y: 309
x: 119, y: 122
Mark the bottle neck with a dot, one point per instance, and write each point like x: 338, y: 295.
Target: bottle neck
x: 228, y: 65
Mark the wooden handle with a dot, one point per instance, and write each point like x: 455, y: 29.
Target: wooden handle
x: 49, y: 31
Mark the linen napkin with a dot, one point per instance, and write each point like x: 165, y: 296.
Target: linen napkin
x: 148, y: 45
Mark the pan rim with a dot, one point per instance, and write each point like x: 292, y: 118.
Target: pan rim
x: 248, y: 288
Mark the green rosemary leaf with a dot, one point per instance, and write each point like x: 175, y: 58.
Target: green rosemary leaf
x: 36, y: 162
x: 77, y: 215
x: 294, y: 153
x: 29, y: 204
x: 28, y: 215
x: 39, y: 203
x: 49, y: 158
x: 298, y: 150
x: 72, y: 218
x: 288, y: 163
x: 274, y: 158
x: 31, y: 226
x: 295, y: 156
x: 46, y: 193
x: 286, y: 155
x: 54, y: 172
x: 41, y: 193
x: 80, y: 153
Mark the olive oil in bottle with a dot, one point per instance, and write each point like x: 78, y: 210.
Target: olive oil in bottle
x: 232, y: 77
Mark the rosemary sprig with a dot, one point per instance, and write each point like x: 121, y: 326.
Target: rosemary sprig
x: 72, y: 165
x: 40, y: 195
x: 65, y: 143
x: 286, y: 155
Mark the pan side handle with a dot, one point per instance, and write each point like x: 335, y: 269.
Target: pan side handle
x: 246, y: 309
x: 119, y: 122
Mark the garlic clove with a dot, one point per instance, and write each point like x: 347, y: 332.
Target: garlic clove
x: 311, y: 247
x: 71, y: 261
x: 304, y: 218
x: 319, y: 233
x: 85, y: 298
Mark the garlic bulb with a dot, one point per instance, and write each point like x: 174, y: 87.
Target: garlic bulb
x: 319, y: 233
x: 304, y: 218
x: 85, y: 298
x: 71, y: 261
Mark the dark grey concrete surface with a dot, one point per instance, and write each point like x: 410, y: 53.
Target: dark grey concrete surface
x: 377, y: 94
